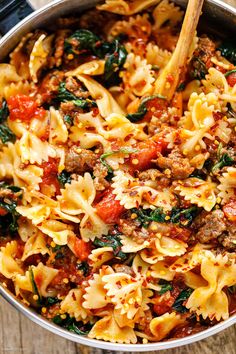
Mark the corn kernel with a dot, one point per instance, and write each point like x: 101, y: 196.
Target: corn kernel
x: 70, y: 56
x: 66, y: 280
x: 135, y: 161
x: 44, y: 309
x: 133, y: 216
x: 167, y: 217
x: 52, y: 244
x: 35, y: 297
x: 63, y: 317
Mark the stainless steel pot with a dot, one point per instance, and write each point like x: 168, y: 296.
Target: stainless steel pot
x: 218, y: 16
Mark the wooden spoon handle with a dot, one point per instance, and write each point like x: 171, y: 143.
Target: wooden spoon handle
x: 181, y: 52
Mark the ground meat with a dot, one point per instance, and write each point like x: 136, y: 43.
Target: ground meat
x: 178, y: 165
x: 97, y: 21
x: 50, y: 85
x: 228, y: 239
x: 80, y: 160
x: 210, y: 226
x: 56, y: 58
x: 122, y: 268
x: 76, y: 88
x: 201, y: 60
x: 131, y: 228
x: 153, y: 175
x: 100, y: 173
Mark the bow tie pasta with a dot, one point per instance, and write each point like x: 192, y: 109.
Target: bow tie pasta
x: 118, y: 201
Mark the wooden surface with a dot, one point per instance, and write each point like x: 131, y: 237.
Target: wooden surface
x: 18, y: 335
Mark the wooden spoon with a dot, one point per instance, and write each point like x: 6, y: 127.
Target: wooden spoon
x: 163, y: 85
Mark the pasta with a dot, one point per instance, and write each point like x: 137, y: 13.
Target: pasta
x: 118, y: 203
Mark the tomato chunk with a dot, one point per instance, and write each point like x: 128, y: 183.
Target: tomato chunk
x: 230, y: 210
x: 3, y: 212
x: 80, y: 248
x: 147, y: 151
x: 109, y: 209
x: 24, y: 108
x: 50, y: 171
x: 231, y: 79
x: 155, y: 107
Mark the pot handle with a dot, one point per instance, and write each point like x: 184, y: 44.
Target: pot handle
x: 12, y: 12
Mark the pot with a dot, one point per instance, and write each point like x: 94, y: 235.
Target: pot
x: 215, y: 12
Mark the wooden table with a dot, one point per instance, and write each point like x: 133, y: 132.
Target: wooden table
x: 18, y: 335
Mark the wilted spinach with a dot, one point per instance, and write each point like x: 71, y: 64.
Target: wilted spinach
x: 113, y: 52
x: 125, y: 151
x: 183, y: 296
x: 66, y: 96
x: 176, y: 216
x: 111, y: 241
x: 225, y: 160
x: 228, y: 50
x: 142, y: 110
x: 199, y: 70
x: 8, y: 222
x: 165, y: 286
x: 72, y: 325
x: 64, y: 177
x: 5, y: 133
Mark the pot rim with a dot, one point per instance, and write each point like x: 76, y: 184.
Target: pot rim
x: 38, y: 319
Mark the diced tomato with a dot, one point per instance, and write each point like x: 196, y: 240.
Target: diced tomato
x: 50, y: 171
x: 155, y: 107
x: 146, y: 152
x: 3, y: 212
x: 80, y: 248
x: 231, y: 79
x: 163, y: 304
x: 229, y: 210
x: 24, y: 108
x: 109, y: 209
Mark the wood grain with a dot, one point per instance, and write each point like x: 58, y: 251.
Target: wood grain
x: 18, y: 335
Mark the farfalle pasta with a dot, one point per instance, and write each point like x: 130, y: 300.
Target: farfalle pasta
x: 117, y: 198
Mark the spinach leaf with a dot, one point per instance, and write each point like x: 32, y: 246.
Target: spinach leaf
x: 228, y: 50
x: 199, y: 69
x: 82, y: 40
x: 64, y: 177
x: 115, y: 60
x: 183, y: 216
x: 230, y: 72
x: 176, y: 216
x: 34, y: 285
x: 64, y: 96
x: 232, y: 289
x: 142, y: 110
x: 49, y: 301
x: 4, y: 111
x: 72, y: 325
x: 84, y: 268
x: 5, y: 133
x: 165, y: 286
x: 183, y: 296
x: 111, y: 241
x: 67, y: 119
x: 113, y: 52
x: 146, y: 216
x: 8, y: 222
x: 225, y: 160
x: 125, y: 151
